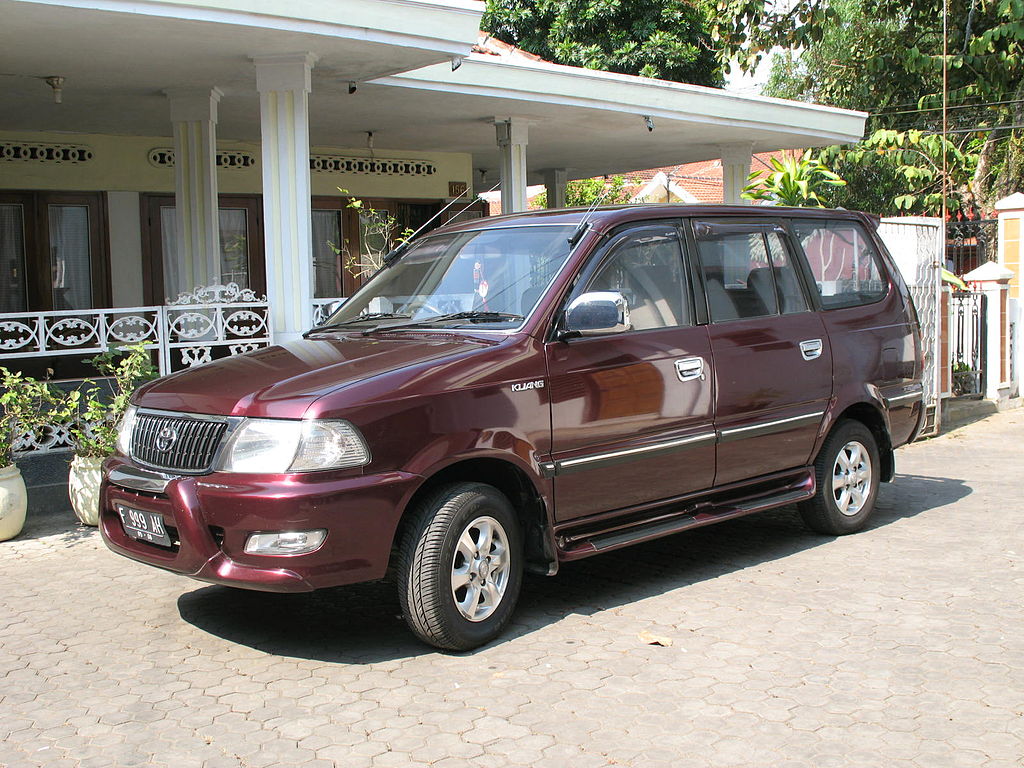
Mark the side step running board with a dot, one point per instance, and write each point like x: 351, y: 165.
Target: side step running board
x: 644, y: 530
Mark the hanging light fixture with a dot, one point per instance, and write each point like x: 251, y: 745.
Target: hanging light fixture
x: 56, y: 82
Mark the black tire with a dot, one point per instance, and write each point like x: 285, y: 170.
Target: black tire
x: 432, y: 549
x: 824, y: 512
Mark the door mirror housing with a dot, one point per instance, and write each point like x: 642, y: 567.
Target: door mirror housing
x: 596, y: 313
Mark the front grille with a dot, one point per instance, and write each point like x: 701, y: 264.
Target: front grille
x: 176, y: 443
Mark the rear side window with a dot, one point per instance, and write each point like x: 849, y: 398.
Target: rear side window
x: 846, y: 266
x: 747, y: 273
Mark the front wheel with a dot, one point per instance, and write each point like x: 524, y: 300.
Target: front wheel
x: 460, y: 566
x: 846, y: 472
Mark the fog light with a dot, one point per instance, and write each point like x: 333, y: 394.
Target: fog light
x: 285, y: 542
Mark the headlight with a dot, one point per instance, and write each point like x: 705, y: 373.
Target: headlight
x: 284, y: 445
x: 125, y: 429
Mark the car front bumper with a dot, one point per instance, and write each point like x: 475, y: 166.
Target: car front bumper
x: 210, y: 517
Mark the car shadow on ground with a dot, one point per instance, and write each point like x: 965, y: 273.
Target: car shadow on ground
x: 361, y: 624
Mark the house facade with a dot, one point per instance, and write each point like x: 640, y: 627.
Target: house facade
x: 147, y: 149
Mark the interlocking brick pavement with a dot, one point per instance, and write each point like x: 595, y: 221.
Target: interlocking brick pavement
x: 897, y: 647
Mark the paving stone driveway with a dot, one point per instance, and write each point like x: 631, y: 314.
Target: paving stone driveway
x: 900, y: 646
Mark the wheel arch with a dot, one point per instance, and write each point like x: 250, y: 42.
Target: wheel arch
x: 874, y: 419
x: 517, y: 486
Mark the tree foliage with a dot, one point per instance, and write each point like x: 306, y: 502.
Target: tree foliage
x: 582, y: 193
x: 913, y: 160
x: 668, y: 39
x: 886, y: 57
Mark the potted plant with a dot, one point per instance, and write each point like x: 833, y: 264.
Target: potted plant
x: 93, y: 416
x: 23, y: 401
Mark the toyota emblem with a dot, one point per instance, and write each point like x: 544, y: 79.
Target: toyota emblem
x: 165, y: 439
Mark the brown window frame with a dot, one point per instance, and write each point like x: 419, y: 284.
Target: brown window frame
x: 150, y: 204
x: 38, y: 281
x: 349, y: 234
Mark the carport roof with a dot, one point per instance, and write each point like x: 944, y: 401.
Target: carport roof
x: 118, y: 56
x: 589, y: 121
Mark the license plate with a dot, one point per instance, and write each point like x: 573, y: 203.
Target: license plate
x: 143, y: 526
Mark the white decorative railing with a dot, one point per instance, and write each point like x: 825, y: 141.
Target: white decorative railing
x: 321, y: 307
x: 187, y: 331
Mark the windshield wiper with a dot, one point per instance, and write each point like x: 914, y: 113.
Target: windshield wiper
x: 474, y: 316
x: 358, y: 319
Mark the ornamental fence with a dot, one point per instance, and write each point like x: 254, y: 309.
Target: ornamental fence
x: 969, y: 244
x: 193, y: 329
x: 196, y: 328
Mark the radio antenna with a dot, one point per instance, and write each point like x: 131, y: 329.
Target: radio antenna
x: 585, y: 221
x: 395, y: 252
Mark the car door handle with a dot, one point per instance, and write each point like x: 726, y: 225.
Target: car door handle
x: 690, y: 368
x: 811, y: 349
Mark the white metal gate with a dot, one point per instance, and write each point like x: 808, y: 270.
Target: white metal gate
x: 917, y: 245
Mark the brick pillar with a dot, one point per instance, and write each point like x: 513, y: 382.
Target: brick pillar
x: 1011, y: 213
x: 994, y: 281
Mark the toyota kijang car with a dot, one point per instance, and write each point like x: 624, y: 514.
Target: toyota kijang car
x: 519, y: 392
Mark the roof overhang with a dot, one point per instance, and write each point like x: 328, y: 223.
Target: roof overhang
x: 593, y: 122
x: 118, y: 56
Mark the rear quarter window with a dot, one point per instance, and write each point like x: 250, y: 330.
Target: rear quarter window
x: 846, y: 267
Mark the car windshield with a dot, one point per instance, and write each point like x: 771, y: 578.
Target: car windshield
x: 489, y: 277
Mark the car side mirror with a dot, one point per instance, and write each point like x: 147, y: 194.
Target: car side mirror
x: 596, y: 313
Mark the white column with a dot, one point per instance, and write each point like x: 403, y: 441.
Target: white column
x: 197, y: 225
x: 283, y: 82
x: 512, y: 141
x: 735, y: 170
x: 555, y: 180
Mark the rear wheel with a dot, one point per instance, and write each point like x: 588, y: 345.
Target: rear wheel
x: 460, y: 566
x: 846, y: 472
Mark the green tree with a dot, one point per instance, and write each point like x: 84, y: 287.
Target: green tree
x: 668, y: 39
x: 886, y: 56
x: 582, y: 193
x: 906, y: 168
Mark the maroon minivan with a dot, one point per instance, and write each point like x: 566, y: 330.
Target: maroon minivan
x: 521, y: 391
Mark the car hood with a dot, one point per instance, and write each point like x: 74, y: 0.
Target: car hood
x: 282, y: 381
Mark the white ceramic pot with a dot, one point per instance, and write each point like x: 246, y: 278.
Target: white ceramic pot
x: 13, y: 502
x: 84, y: 488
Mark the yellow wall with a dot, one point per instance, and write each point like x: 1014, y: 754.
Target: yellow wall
x: 120, y: 167
x: 121, y: 163
x: 1011, y: 252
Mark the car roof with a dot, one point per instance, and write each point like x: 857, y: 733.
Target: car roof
x: 607, y: 217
